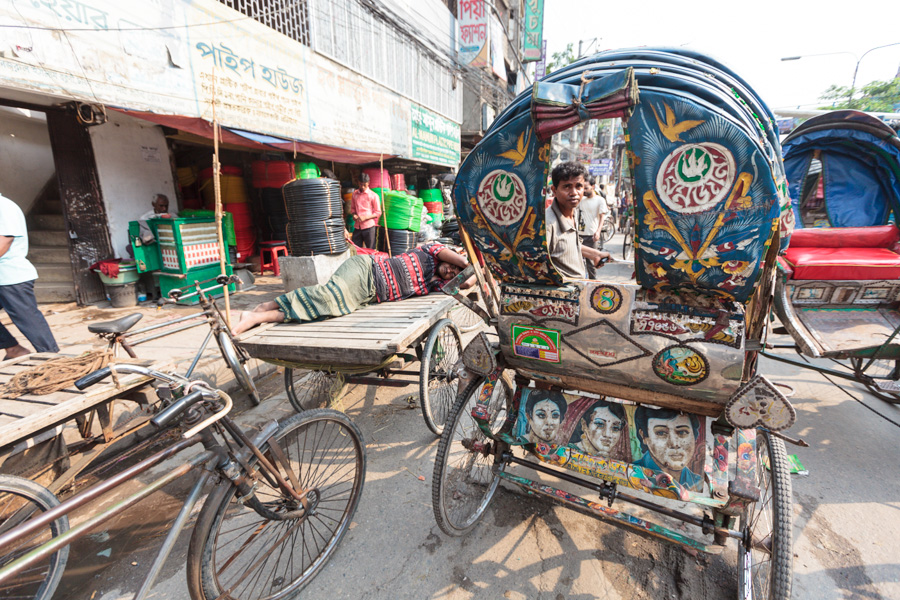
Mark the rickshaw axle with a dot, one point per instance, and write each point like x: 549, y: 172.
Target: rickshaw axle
x: 609, y: 492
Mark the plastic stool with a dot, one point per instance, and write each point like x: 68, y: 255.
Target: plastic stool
x: 274, y: 248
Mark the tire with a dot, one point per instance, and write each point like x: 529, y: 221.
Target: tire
x: 881, y: 370
x: 608, y: 230
x: 767, y: 572
x: 237, y: 360
x: 465, y: 481
x: 20, y: 499
x: 628, y: 244
x: 311, y: 389
x: 438, y: 377
x: 232, y: 547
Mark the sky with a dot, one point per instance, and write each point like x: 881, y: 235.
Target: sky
x: 749, y: 37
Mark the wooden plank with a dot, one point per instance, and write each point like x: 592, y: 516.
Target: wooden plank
x: 44, y: 400
x: 375, y: 336
x: 304, y: 344
x: 13, y: 408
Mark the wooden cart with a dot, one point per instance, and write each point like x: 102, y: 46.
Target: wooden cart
x: 28, y: 421
x: 321, y: 358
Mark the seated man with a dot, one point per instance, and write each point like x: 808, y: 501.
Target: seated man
x: 360, y: 281
x: 564, y: 245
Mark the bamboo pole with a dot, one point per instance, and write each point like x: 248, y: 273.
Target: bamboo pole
x: 387, y: 238
x: 217, y: 190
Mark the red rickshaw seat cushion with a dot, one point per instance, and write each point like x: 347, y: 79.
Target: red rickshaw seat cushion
x: 845, y: 263
x: 877, y: 236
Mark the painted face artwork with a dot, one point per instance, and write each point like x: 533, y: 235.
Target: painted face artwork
x: 604, y: 430
x: 544, y: 421
x: 671, y: 442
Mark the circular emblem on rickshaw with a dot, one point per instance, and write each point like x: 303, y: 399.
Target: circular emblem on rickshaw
x: 695, y: 177
x: 680, y: 365
x: 606, y: 299
x: 502, y: 198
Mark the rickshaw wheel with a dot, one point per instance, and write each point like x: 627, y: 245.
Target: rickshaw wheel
x: 880, y: 369
x: 765, y: 561
x: 438, y: 378
x: 312, y: 389
x: 465, y: 479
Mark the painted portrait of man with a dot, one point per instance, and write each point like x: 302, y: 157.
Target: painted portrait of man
x: 668, y: 440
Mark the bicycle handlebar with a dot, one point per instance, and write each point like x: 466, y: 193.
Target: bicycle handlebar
x: 101, y: 374
x: 170, y: 414
x: 221, y: 281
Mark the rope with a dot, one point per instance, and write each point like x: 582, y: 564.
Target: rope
x: 54, y: 375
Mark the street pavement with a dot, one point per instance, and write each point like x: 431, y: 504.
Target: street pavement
x: 846, y: 518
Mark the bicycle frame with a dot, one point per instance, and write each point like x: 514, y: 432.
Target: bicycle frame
x: 213, y: 458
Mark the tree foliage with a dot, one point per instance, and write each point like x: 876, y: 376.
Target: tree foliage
x: 561, y: 59
x: 878, y: 96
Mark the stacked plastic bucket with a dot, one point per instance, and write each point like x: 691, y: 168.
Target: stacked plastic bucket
x: 234, y: 201
x: 434, y: 207
x: 268, y: 177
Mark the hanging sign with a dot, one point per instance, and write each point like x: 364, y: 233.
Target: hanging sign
x: 534, y: 30
x: 434, y: 138
x: 473, y: 33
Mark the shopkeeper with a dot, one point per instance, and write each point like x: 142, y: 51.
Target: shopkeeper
x: 365, y: 208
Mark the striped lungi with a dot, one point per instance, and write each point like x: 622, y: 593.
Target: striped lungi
x: 351, y: 286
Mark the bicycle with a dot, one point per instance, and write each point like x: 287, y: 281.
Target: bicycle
x: 297, y: 482
x: 607, y: 231
x: 117, y: 333
x: 628, y: 244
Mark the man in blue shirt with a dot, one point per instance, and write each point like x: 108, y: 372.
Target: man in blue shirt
x: 17, y: 276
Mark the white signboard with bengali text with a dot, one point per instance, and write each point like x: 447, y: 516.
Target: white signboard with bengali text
x: 473, y: 32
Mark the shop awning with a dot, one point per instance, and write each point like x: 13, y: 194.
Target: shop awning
x: 259, y: 141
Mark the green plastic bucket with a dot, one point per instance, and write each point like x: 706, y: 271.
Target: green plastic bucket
x: 306, y: 170
x: 431, y: 195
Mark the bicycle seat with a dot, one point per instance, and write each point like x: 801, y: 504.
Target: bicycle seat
x: 117, y: 326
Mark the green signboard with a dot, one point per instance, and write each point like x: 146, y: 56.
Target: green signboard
x: 534, y: 30
x: 434, y: 138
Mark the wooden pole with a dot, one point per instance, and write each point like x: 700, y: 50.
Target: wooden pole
x: 387, y: 238
x: 217, y: 189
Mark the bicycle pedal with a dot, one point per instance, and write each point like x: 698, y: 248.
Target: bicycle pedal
x: 891, y: 386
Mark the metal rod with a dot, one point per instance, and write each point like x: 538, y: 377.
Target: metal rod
x: 161, y: 325
x: 95, y: 491
x: 808, y: 365
x: 199, y: 354
x: 70, y: 536
x: 380, y: 381
x: 165, y: 333
x: 606, y: 493
x: 174, y: 530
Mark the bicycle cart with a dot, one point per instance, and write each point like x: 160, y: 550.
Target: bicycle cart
x: 644, y: 393
x: 369, y: 346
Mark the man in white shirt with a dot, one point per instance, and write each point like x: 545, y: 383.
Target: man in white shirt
x: 17, y: 276
x: 592, y: 212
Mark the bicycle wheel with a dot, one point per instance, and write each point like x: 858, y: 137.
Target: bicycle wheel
x: 628, y: 244
x: 881, y: 377
x: 607, y: 231
x: 237, y: 360
x: 438, y: 378
x: 466, y: 319
x: 765, y: 567
x: 21, y: 499
x: 464, y: 480
x: 235, y: 553
x: 312, y: 389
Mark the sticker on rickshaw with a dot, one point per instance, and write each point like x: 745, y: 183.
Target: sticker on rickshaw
x: 680, y: 365
x: 536, y: 343
x: 606, y: 299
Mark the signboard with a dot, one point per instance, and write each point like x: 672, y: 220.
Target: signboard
x: 434, y: 138
x: 540, y: 69
x: 532, y: 48
x: 603, y: 166
x: 498, y: 39
x: 473, y: 33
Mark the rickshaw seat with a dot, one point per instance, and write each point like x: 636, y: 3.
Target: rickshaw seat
x: 879, y: 236
x: 843, y: 263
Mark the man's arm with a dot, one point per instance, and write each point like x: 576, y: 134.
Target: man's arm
x: 5, y: 243
x: 449, y: 256
x: 598, y: 257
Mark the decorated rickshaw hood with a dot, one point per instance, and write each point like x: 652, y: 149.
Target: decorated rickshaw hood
x: 706, y: 171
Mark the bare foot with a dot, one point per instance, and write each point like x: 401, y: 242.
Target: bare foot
x: 16, y: 351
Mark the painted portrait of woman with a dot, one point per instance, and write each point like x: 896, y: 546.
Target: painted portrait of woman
x: 603, y: 431
x: 544, y: 411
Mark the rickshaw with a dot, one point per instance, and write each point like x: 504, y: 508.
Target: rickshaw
x: 838, y: 285
x: 651, y: 384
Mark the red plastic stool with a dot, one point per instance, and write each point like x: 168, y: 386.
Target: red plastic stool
x: 274, y: 248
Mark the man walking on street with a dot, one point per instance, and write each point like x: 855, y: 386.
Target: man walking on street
x: 592, y: 213
x: 365, y: 208
x: 17, y: 276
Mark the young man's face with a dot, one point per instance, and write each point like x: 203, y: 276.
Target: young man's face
x: 569, y: 192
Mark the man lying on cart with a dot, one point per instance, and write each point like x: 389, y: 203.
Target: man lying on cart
x: 361, y: 280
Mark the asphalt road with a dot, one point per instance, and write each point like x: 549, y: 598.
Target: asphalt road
x: 846, y: 521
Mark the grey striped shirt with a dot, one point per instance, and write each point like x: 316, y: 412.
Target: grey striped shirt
x: 564, y: 244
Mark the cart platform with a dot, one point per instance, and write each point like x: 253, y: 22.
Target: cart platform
x: 368, y: 336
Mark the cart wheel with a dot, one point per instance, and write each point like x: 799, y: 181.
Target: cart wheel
x: 312, y: 389
x: 466, y: 320
x: 438, y: 378
x: 465, y: 480
x: 628, y: 244
x: 766, y: 563
x: 881, y: 378
x: 237, y: 362
x: 20, y: 500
